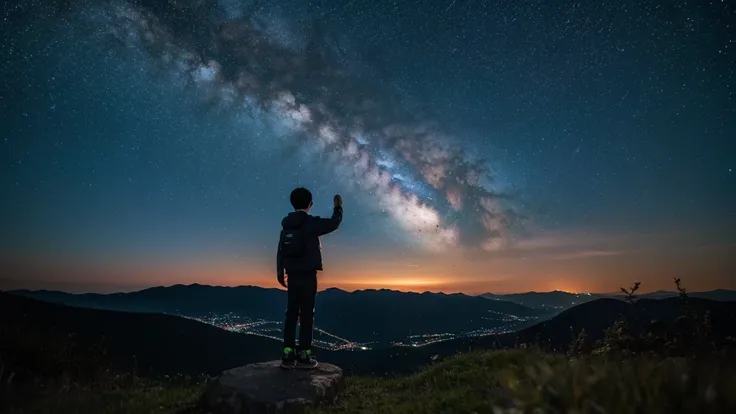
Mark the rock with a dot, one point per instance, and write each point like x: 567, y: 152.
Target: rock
x: 267, y: 388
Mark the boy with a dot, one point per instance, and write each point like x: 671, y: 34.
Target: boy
x: 300, y: 257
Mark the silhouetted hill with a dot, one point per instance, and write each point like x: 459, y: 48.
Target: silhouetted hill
x: 155, y: 343
x: 722, y: 295
x: 563, y: 300
x: 554, y: 334
x: 545, y: 300
x: 358, y: 316
x: 557, y: 333
x: 600, y: 314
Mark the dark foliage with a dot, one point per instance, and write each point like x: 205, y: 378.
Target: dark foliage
x: 692, y: 334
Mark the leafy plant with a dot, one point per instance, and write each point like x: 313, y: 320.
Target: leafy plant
x: 631, y: 292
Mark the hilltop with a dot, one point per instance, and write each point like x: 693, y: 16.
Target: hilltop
x: 498, y: 381
x: 478, y: 382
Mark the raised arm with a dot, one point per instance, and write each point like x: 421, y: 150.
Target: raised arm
x: 280, y: 263
x: 328, y: 225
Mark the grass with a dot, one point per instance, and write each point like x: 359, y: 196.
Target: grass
x: 521, y: 381
x: 134, y: 395
x: 516, y: 381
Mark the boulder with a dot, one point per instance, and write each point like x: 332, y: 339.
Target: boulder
x: 267, y: 388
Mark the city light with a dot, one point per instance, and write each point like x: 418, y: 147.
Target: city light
x: 234, y: 322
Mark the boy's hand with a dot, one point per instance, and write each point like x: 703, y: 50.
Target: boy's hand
x: 280, y: 278
x: 337, y: 200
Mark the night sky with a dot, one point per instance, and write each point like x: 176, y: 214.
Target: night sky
x: 478, y: 145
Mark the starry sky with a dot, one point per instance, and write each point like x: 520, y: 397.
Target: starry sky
x: 479, y: 146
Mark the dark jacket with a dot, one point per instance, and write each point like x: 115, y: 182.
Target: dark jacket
x: 312, y: 228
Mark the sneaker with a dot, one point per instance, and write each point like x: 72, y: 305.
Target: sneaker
x: 288, y: 358
x: 305, y: 360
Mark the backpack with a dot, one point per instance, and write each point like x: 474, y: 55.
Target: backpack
x: 292, y: 242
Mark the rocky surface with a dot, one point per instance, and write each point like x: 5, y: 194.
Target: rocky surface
x: 267, y: 388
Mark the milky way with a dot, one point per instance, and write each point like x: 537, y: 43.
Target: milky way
x: 330, y: 107
x: 539, y: 142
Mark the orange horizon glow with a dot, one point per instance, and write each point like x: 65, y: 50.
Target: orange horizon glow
x: 141, y: 277
x: 541, y: 266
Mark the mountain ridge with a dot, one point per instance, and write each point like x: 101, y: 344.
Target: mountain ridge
x: 357, y: 315
x: 558, y: 300
x: 336, y: 289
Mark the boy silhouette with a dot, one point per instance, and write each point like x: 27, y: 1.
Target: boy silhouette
x: 299, y: 257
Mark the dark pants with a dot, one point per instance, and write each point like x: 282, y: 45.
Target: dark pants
x: 302, y: 289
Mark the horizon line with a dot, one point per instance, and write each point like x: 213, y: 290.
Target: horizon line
x: 336, y: 288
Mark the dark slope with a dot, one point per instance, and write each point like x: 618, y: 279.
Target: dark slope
x: 600, y: 314
x: 563, y: 300
x: 156, y: 343
x: 556, y: 333
x: 595, y: 316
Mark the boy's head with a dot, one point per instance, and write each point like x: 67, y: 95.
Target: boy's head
x: 301, y: 199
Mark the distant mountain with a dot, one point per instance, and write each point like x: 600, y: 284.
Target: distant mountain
x: 188, y: 299
x: 545, y: 300
x: 595, y: 316
x: 358, y: 316
x: 720, y: 295
x: 598, y: 315
x: 365, y: 315
x: 559, y: 300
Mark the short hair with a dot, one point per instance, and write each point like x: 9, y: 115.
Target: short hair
x: 300, y: 198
